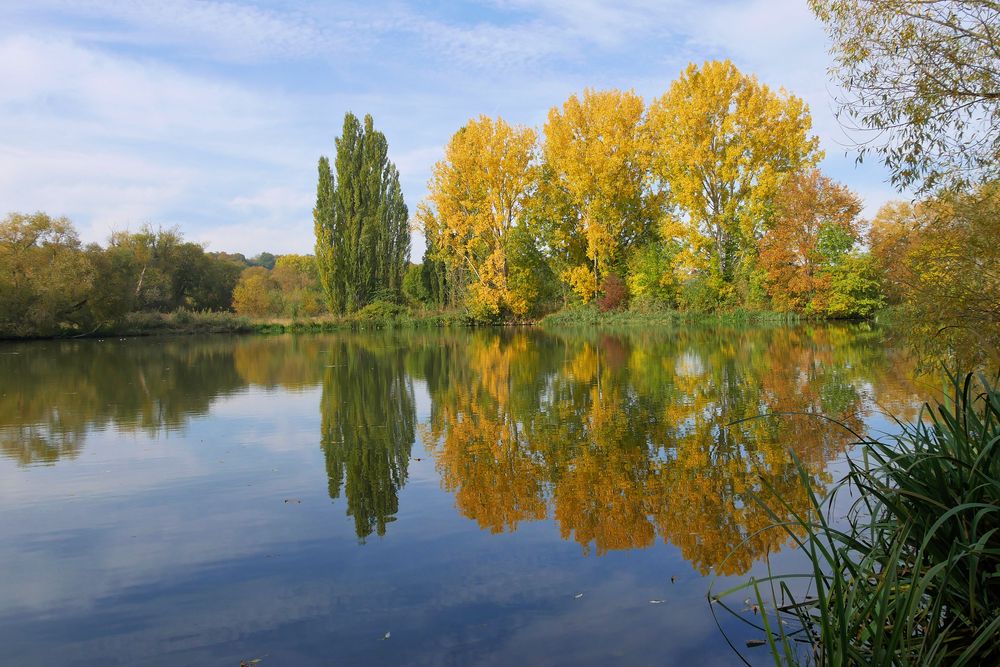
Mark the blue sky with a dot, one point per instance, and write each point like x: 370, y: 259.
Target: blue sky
x: 210, y: 115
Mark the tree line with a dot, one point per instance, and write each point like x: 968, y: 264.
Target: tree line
x: 516, y: 426
x: 707, y: 198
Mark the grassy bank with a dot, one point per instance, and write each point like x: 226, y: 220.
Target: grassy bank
x: 187, y: 322
x: 911, y: 575
x: 383, y: 314
x: 375, y: 316
x: 591, y: 315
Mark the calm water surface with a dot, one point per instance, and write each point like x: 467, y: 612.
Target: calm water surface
x: 448, y: 497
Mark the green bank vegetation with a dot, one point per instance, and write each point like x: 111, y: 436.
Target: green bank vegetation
x: 910, y: 576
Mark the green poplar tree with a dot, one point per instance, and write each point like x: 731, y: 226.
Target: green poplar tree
x: 327, y: 238
x: 362, y: 236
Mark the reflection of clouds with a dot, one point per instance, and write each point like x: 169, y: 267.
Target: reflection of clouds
x: 689, y: 365
x: 446, y: 597
x: 172, y: 546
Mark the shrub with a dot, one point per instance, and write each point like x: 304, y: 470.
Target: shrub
x: 700, y: 294
x: 614, y: 294
x: 381, y: 311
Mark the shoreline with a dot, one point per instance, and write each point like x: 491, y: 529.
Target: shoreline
x: 183, y: 323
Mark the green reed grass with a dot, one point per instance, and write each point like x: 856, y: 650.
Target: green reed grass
x: 912, y: 575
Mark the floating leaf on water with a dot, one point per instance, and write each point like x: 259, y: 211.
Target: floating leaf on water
x: 578, y: 596
x: 754, y: 643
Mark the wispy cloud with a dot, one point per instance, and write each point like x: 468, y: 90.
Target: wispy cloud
x: 231, y: 31
x: 210, y: 114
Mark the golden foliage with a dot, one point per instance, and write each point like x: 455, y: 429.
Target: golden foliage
x: 257, y: 294
x: 939, y: 258
x: 477, y: 193
x: 723, y: 143
x: 597, y: 148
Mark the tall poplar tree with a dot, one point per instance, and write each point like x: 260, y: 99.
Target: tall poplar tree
x: 362, y: 235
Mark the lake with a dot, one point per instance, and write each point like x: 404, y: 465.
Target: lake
x: 443, y: 497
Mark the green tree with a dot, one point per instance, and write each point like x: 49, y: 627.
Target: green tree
x: 163, y: 272
x: 265, y: 259
x: 435, y: 275
x: 360, y: 219
x: 922, y: 82
x: 45, y: 278
x: 855, y: 289
x: 651, y: 278
x: 414, y: 289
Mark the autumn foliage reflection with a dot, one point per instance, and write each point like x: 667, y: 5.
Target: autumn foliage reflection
x: 621, y: 439
x: 625, y: 438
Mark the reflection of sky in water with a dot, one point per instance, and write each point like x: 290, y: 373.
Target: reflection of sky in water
x: 176, y: 546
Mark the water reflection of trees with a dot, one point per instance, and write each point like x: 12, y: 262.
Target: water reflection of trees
x: 52, y: 394
x: 367, y: 428
x: 621, y: 439
x: 628, y: 437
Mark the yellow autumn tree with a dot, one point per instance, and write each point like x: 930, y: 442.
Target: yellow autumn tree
x: 475, y: 201
x: 723, y: 142
x: 257, y: 294
x: 597, y: 153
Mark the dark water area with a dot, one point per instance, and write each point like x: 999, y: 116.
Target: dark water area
x: 451, y: 497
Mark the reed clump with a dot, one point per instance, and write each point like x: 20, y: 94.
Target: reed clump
x: 911, y: 576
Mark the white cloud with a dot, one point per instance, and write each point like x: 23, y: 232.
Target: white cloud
x: 227, y: 31
x: 605, y: 24
x: 105, y: 191
x: 114, y: 142
x: 255, y: 235
x: 210, y: 114
x: 273, y: 199
x: 55, y: 84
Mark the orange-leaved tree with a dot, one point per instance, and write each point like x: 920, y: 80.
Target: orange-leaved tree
x: 815, y: 224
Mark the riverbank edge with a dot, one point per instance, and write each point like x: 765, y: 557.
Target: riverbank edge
x: 183, y: 322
